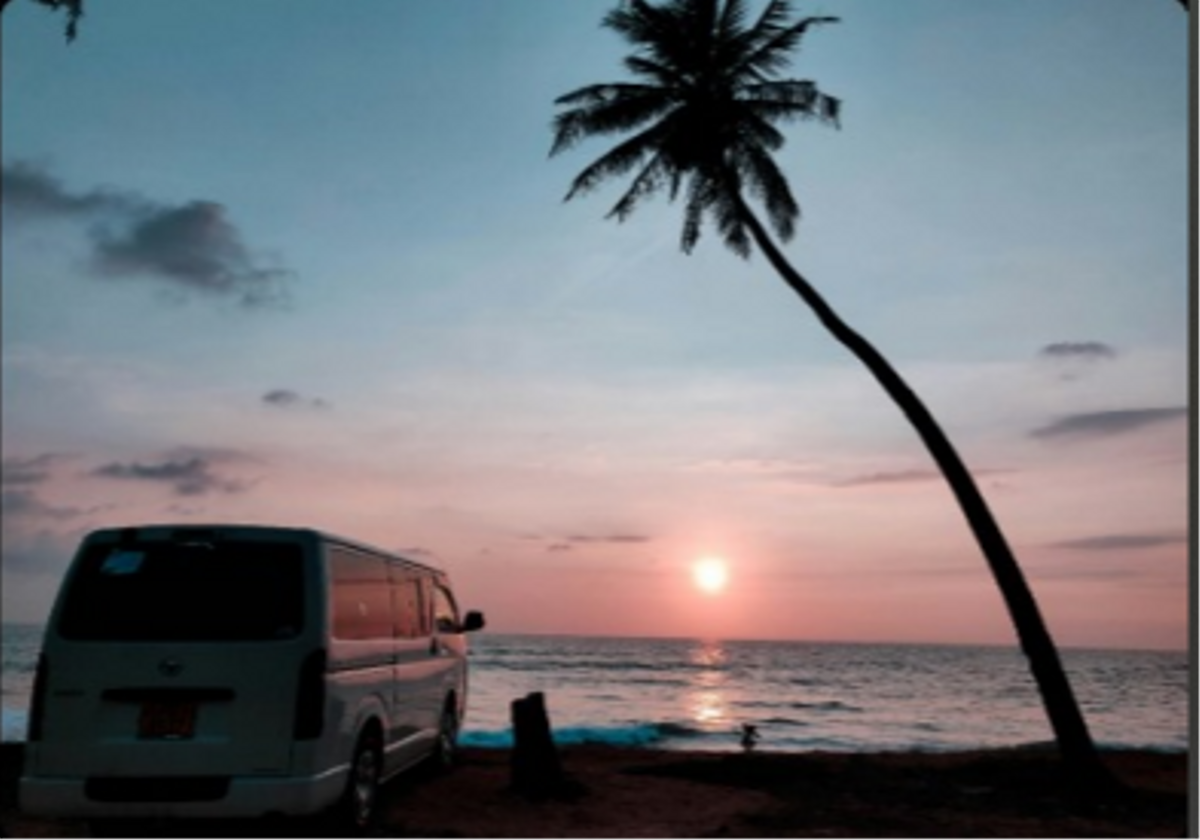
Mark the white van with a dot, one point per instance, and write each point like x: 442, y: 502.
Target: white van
x: 239, y: 671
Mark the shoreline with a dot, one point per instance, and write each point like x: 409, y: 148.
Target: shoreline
x: 640, y: 792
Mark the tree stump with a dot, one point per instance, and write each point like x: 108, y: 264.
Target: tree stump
x: 536, y: 770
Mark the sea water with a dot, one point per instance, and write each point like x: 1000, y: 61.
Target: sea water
x: 698, y: 694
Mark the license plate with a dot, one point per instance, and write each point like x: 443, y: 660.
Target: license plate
x: 173, y: 721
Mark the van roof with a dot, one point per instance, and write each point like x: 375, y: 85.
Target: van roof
x: 162, y: 530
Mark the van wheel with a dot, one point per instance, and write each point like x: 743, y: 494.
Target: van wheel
x: 358, y: 808
x: 447, y: 743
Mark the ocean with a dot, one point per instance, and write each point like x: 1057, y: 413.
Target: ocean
x: 696, y: 694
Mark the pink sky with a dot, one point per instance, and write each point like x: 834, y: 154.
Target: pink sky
x: 564, y: 412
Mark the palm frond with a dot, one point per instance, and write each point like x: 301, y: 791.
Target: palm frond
x: 726, y: 212
x: 618, y: 160
x: 605, y: 92
x: 733, y: 17
x: 642, y: 24
x: 658, y: 72
x: 652, y: 177
x: 767, y: 182
x: 772, y: 52
x: 772, y: 19
x: 624, y: 111
x: 787, y: 99
x: 759, y: 129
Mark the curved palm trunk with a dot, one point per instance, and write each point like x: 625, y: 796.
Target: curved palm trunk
x: 1070, y: 730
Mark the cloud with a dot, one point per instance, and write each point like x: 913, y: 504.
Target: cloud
x: 188, y: 475
x: 562, y: 544
x: 897, y: 477
x: 1087, y: 351
x: 19, y: 500
x: 905, y: 477
x: 191, y: 246
x: 26, y: 503
x: 25, y: 471
x: 613, y: 538
x: 30, y: 192
x: 1121, y: 542
x: 288, y: 399
x: 1105, y: 423
x: 1103, y: 574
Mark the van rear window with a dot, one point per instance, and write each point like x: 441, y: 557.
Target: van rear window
x: 225, y: 590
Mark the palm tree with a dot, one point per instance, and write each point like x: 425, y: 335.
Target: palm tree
x: 74, y: 10
x: 703, y: 115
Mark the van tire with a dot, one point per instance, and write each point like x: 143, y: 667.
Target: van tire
x: 358, y: 809
x: 445, y: 753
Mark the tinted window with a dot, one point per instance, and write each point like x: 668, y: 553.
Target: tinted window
x: 202, y: 591
x: 412, y: 619
x: 362, y: 599
x: 445, y: 614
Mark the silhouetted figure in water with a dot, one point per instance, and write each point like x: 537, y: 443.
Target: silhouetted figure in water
x: 749, y: 736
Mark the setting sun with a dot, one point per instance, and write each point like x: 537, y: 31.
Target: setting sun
x: 710, y: 574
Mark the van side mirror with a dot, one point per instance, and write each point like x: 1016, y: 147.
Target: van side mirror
x: 473, y: 621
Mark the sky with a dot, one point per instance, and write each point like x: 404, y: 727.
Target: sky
x: 308, y: 263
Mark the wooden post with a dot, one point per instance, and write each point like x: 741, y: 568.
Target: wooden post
x: 536, y: 770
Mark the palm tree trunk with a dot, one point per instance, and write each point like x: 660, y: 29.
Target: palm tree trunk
x: 1070, y: 730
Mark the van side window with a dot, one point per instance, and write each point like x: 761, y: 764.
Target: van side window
x: 411, y: 619
x: 445, y: 613
x: 362, y: 599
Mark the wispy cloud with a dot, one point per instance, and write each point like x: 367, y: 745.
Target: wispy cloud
x: 27, y: 471
x: 1121, y: 542
x: 27, y: 504
x: 31, y: 192
x: 191, y: 246
x: 1085, y: 351
x: 912, y: 476
x: 894, y: 477
x: 288, y: 399
x: 568, y: 543
x: 418, y: 552
x: 188, y: 472
x: 21, y: 498
x: 1106, y: 423
x: 620, y: 539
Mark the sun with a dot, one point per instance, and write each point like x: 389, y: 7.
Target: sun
x: 710, y: 574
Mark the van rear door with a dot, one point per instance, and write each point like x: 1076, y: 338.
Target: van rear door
x: 176, y: 656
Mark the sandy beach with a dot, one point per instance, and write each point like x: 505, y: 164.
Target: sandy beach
x: 655, y: 793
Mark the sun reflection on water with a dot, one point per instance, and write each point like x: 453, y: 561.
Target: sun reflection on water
x: 708, y: 709
x: 706, y: 702
x: 707, y: 655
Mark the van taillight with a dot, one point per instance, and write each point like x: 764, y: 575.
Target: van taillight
x: 310, y: 698
x: 38, y: 702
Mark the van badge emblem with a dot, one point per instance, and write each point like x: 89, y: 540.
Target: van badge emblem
x: 170, y: 667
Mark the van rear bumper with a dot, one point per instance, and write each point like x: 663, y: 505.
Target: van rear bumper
x: 244, y: 797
